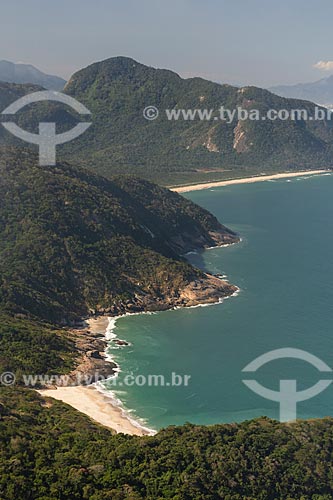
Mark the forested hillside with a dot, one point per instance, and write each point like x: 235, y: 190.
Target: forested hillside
x: 50, y: 452
x: 121, y: 141
x: 72, y: 242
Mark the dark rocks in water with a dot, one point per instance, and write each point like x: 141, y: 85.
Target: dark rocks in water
x: 101, y: 374
x: 120, y: 342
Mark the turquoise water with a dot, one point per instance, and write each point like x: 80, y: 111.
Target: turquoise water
x: 284, y: 268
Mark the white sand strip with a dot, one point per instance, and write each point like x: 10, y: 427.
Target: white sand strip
x: 93, y: 403
x: 247, y: 180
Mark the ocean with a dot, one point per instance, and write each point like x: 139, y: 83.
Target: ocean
x: 284, y: 269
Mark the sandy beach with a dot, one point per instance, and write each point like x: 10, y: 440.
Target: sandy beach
x: 91, y: 399
x: 97, y: 406
x: 247, y: 180
x: 97, y: 324
x: 92, y: 402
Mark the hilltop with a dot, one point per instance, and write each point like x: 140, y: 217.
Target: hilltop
x: 122, y: 141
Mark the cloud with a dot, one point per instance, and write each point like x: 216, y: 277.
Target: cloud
x: 324, y: 65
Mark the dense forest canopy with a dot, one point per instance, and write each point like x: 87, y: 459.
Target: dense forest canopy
x: 121, y: 141
x: 50, y: 452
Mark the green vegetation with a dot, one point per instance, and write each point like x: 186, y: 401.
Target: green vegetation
x: 121, y: 140
x: 10, y: 92
x: 50, y: 452
x: 30, y: 347
x: 72, y: 242
x: 173, y: 152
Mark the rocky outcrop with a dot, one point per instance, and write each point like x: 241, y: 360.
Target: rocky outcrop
x: 240, y: 144
x: 211, y: 289
x: 224, y: 237
x: 186, y: 242
x: 204, y: 289
x: 92, y: 363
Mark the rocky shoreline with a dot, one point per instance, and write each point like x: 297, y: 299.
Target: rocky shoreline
x: 205, y: 289
x: 89, y: 337
x: 93, y: 365
x: 91, y: 342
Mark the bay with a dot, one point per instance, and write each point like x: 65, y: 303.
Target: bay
x: 284, y: 269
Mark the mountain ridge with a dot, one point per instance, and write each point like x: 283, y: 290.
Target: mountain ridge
x: 118, y: 89
x: 320, y: 91
x: 120, y: 140
x: 27, y: 73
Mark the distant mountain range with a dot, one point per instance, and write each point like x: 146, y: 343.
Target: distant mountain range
x: 172, y: 152
x: 26, y: 73
x: 320, y: 92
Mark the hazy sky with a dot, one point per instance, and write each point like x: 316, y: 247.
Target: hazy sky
x: 263, y: 42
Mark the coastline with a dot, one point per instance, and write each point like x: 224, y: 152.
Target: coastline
x: 92, y: 400
x: 83, y: 389
x: 246, y: 180
x: 102, y: 405
x: 98, y: 403
x: 93, y: 403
